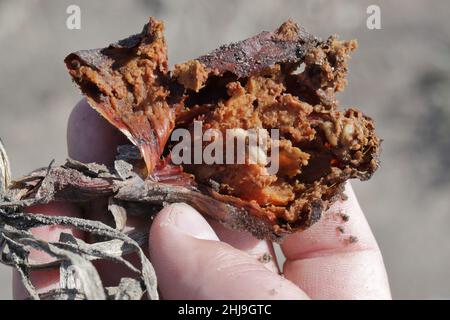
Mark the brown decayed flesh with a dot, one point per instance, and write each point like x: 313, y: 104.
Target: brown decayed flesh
x: 251, y: 84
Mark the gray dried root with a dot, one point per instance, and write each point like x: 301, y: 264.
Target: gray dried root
x: 5, y: 172
x: 79, y: 278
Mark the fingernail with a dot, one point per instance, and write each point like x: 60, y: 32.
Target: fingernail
x: 189, y: 221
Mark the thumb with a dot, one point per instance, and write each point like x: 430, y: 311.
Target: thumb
x: 191, y: 262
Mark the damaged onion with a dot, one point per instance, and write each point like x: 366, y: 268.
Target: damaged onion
x: 251, y: 84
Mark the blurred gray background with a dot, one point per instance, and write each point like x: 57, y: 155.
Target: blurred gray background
x: 400, y: 76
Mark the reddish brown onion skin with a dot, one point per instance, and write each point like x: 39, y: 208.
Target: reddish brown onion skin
x: 126, y: 83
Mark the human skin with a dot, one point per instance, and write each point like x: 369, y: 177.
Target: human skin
x: 196, y: 258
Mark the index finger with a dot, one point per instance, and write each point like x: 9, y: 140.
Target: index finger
x: 337, y: 259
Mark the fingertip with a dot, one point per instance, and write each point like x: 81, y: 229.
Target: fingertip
x: 191, y: 262
x: 338, y: 257
x: 342, y: 228
x: 90, y: 138
x: 185, y: 220
x: 261, y: 250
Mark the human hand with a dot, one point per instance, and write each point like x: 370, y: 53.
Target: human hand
x: 199, y: 259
